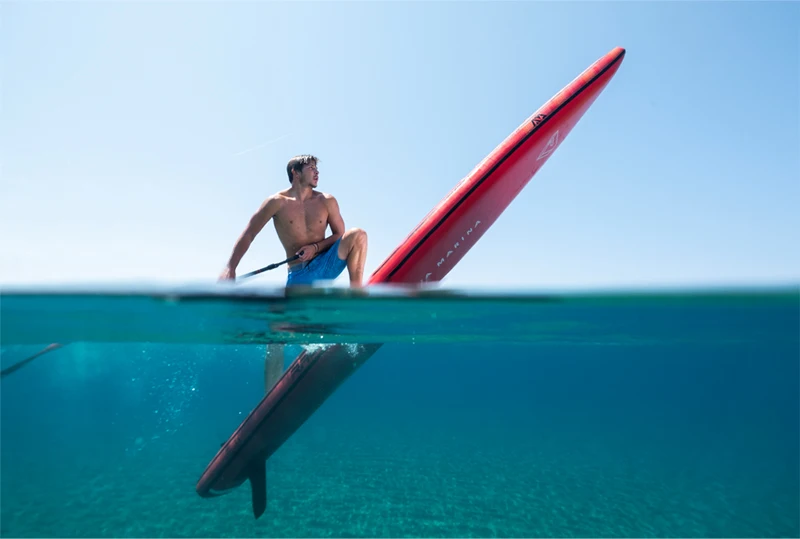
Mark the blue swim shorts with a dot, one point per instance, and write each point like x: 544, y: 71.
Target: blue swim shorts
x: 326, y: 266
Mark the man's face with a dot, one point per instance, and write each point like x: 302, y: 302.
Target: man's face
x: 310, y: 175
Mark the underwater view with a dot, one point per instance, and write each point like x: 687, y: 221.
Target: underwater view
x: 671, y: 413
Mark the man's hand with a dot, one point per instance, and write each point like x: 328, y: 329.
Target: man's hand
x: 228, y: 274
x: 307, y: 252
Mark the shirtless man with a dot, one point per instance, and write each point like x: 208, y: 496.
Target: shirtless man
x: 301, y: 216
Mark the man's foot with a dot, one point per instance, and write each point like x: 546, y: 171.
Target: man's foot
x: 273, y: 366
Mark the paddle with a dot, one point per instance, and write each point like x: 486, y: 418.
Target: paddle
x: 270, y: 267
x: 55, y: 346
x: 8, y: 370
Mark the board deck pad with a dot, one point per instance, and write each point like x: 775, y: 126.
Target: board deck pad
x: 427, y: 254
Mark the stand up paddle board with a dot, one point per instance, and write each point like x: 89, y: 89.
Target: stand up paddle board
x: 429, y: 252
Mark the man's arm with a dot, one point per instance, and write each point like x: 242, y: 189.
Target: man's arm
x: 260, y: 218
x: 336, y: 223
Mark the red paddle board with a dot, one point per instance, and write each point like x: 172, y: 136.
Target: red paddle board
x: 432, y: 249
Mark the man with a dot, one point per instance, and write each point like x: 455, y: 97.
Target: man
x: 302, y: 216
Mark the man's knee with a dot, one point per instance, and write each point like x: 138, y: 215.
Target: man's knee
x: 358, y: 237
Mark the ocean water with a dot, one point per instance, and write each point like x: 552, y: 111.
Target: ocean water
x: 594, y: 414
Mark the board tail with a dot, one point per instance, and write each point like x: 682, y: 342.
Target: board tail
x: 258, y: 486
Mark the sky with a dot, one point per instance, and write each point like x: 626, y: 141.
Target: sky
x: 138, y: 138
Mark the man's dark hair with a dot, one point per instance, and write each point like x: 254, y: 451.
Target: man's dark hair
x: 298, y: 162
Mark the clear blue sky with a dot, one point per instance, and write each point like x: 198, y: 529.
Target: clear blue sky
x: 139, y: 137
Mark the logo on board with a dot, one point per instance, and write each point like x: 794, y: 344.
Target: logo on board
x: 452, y: 250
x: 551, y: 146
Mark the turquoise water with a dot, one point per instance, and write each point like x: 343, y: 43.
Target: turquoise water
x: 658, y: 414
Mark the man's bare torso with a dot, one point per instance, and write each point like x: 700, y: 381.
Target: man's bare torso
x: 300, y: 222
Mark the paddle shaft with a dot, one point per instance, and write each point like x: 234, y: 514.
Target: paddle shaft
x: 16, y: 366
x: 270, y: 267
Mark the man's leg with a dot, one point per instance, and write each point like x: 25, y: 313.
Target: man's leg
x: 273, y: 365
x: 353, y: 249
